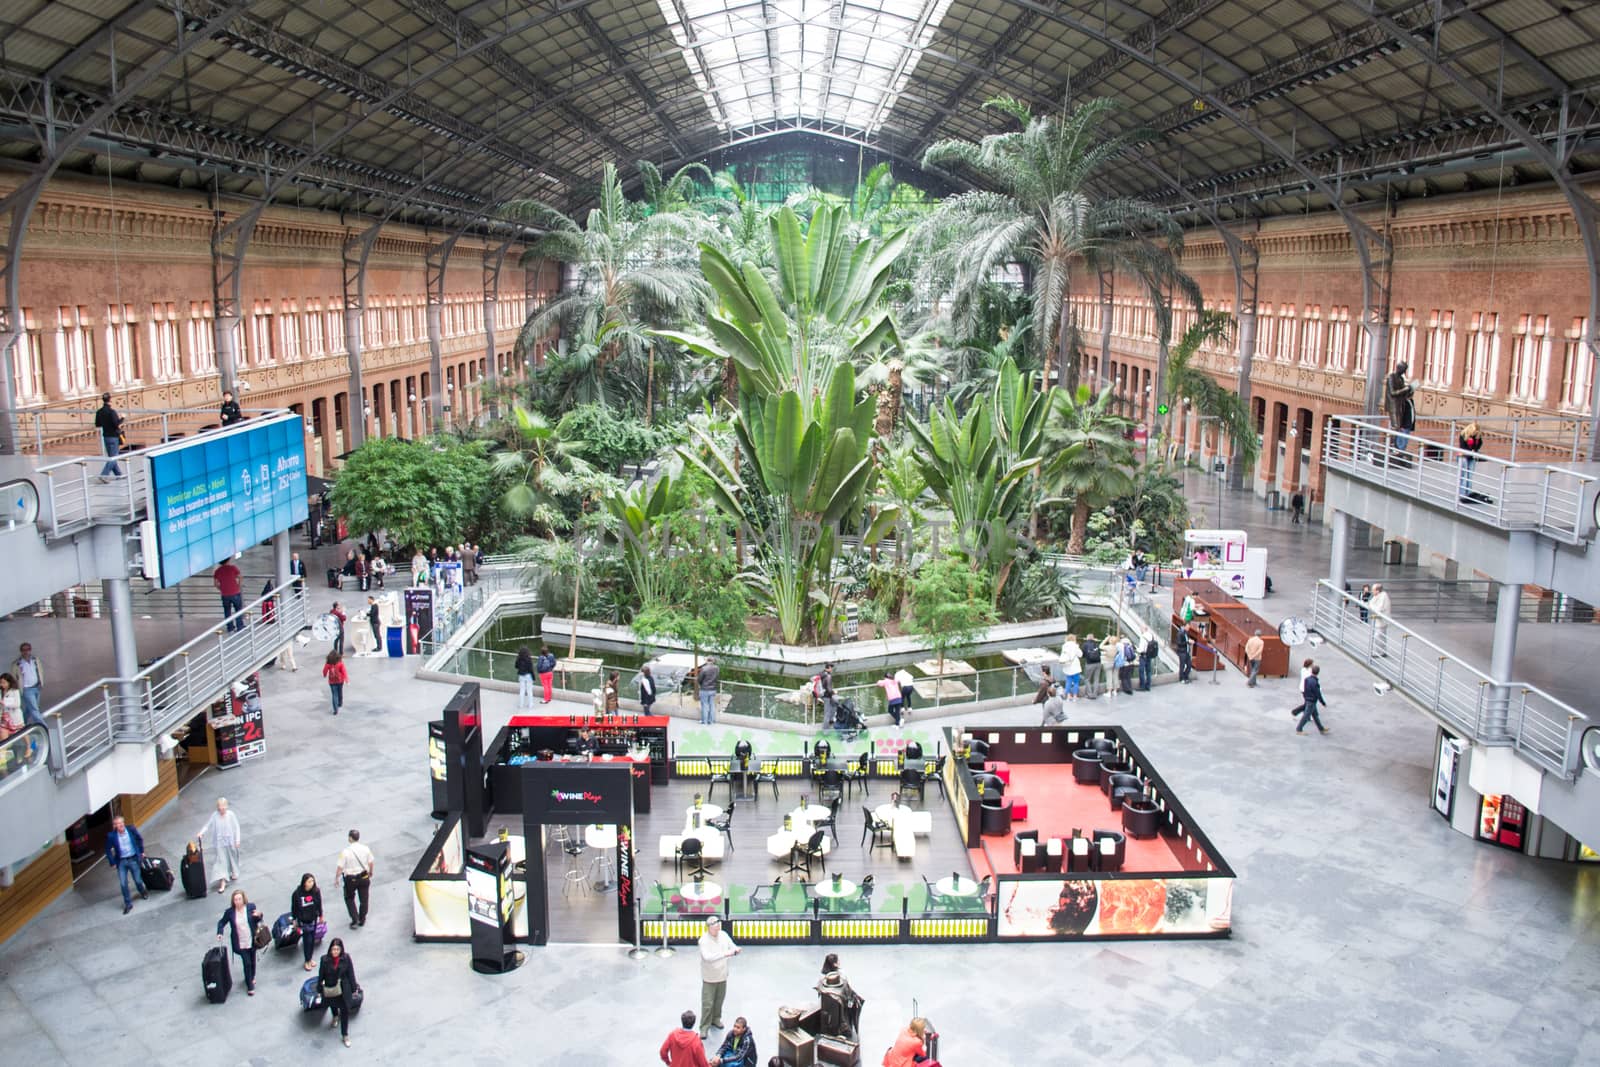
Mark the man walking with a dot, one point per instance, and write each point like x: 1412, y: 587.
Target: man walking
x: 223, y: 825
x: 229, y: 413
x: 1313, y: 698
x: 682, y: 1048
x: 29, y: 673
x: 716, y: 949
x: 356, y: 864
x: 109, y: 423
x: 1378, y: 607
x: 1180, y: 645
x: 707, y: 681
x: 1253, y: 649
x: 297, y: 571
x: 226, y: 579
x: 469, y: 564
x: 1297, y: 507
x: 125, y: 851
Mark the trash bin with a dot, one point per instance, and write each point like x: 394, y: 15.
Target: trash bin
x: 1393, y: 553
x: 1274, y: 500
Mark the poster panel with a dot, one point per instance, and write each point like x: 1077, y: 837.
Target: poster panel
x: 1077, y: 908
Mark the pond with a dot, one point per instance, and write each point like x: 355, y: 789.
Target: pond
x: 763, y: 687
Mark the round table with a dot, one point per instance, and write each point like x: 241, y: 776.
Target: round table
x: 889, y: 812
x: 810, y: 813
x: 828, y: 891
x: 700, y: 892
x: 602, y: 839
x: 780, y: 844
x: 705, y: 811
x: 966, y: 887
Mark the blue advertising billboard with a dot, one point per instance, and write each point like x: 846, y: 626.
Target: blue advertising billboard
x: 220, y: 493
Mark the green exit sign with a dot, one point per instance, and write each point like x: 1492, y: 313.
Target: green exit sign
x: 1162, y: 409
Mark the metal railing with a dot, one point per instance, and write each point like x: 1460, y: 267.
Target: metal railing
x: 150, y: 601
x: 1470, y: 600
x: 1542, y: 728
x: 1534, y: 437
x: 77, y: 495
x: 85, y: 725
x: 71, y: 431
x: 1496, y: 492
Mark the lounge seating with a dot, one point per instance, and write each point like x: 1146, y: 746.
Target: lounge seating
x: 1141, y: 818
x: 1000, y: 769
x: 1109, y: 852
x: 1078, y: 858
x: 996, y: 815
x: 1054, y: 853
x: 1086, y: 766
x: 1016, y: 844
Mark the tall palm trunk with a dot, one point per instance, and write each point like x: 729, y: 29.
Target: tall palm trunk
x: 649, y: 385
x: 1080, y: 526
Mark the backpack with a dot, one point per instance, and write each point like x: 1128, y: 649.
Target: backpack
x: 1151, y: 649
x: 816, y: 685
x: 1091, y: 652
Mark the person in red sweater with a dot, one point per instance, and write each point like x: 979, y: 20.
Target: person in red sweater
x: 226, y: 579
x: 683, y: 1048
x: 908, y: 1047
x: 340, y: 617
x: 333, y: 670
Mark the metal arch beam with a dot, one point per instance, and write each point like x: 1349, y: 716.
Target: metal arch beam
x: 1585, y: 211
x: 1372, y: 248
x: 493, y: 260
x: 354, y: 253
x: 1002, y: 44
x: 652, y: 103
x: 465, y: 30
x: 838, y: 132
x: 18, y: 205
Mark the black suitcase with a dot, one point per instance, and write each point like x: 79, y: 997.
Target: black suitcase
x: 333, y: 578
x: 156, y: 873
x: 216, y: 975
x: 192, y: 870
x: 285, y: 931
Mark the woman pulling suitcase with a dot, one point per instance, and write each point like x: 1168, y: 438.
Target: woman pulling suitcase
x: 336, y: 979
x: 305, y: 904
x: 241, y: 922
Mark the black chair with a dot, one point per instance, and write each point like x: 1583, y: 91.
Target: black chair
x: 1016, y: 845
x: 690, y: 852
x: 863, y: 902
x: 767, y: 774
x: 1140, y: 817
x: 723, y: 822
x: 1108, y: 767
x: 1098, y: 860
x: 742, y: 755
x: 716, y: 778
x: 877, y: 828
x: 936, y: 899
x: 831, y: 823
x: 1086, y: 766
x: 914, y: 749
x: 933, y: 773
x: 861, y: 772
x: 832, y: 787
x: 821, y: 753
x: 662, y: 898
x: 911, y: 781
x: 802, y: 855
x: 765, y: 897
x: 1104, y: 744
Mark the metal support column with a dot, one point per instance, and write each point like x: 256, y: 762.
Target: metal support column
x: 229, y: 241
x: 1246, y: 276
x: 1108, y: 279
x: 493, y: 260
x: 280, y: 558
x: 1339, y: 559
x: 357, y: 250
x: 434, y: 264
x: 1502, y: 656
x: 124, y: 650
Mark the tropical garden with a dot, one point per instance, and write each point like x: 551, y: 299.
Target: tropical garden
x: 746, y: 420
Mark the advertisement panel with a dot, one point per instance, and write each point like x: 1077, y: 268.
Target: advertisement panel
x: 483, y: 889
x: 1113, y: 907
x: 216, y: 495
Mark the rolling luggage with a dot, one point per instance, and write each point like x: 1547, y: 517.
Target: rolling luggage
x: 192, y: 869
x: 355, y: 1000
x: 311, y: 994
x: 285, y: 931
x: 319, y: 933
x: 216, y: 975
x: 156, y: 873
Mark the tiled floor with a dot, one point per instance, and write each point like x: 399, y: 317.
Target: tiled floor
x: 1365, y: 930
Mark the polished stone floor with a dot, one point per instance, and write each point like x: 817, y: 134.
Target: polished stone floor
x: 1365, y: 930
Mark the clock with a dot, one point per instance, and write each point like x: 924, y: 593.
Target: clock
x: 1292, y: 631
x: 1589, y: 748
x: 325, y: 628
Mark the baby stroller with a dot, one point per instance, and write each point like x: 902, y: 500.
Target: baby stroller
x: 847, y: 719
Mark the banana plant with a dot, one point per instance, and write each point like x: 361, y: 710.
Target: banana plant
x: 980, y: 465
x: 639, y: 512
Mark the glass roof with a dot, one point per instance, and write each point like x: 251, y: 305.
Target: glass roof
x: 842, y: 61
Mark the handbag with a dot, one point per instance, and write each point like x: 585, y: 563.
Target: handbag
x: 262, y: 937
x: 330, y: 990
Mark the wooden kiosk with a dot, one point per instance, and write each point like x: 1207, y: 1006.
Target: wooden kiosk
x: 1224, y: 623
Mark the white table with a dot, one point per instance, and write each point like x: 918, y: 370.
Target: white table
x: 902, y: 828
x: 705, y: 811
x: 700, y: 892
x: 810, y: 813
x: 828, y: 891
x: 780, y: 844
x: 966, y: 887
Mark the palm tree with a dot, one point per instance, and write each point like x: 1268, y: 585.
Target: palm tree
x: 1194, y: 387
x: 1034, y: 208
x: 535, y: 460
x: 663, y: 196
x: 631, y: 273
x: 1092, y: 455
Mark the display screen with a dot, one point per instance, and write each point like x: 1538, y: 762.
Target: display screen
x: 218, y: 494
x: 1114, y: 907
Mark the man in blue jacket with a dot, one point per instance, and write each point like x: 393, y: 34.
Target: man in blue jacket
x: 124, y: 851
